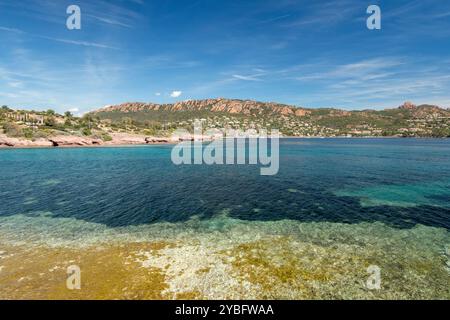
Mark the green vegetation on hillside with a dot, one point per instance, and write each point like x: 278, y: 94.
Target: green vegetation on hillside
x: 421, y: 121
x: 33, y: 125
x: 409, y: 121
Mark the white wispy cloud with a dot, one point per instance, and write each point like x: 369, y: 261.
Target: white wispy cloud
x: 138, y: 1
x: 10, y: 29
x: 379, y: 83
x: 82, y: 43
x: 100, y: 11
x: 281, y: 17
x: 326, y: 14
x: 42, y: 85
x: 15, y: 84
x: 246, y: 78
x: 109, y: 21
x: 68, y: 41
x: 362, y: 70
x: 442, y: 15
x: 167, y: 61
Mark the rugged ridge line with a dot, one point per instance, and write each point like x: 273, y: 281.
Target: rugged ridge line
x: 232, y: 106
x: 250, y: 107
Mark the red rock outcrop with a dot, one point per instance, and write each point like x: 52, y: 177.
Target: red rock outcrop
x: 408, y: 105
x: 232, y: 106
x: 70, y: 141
x: 76, y: 141
x: 22, y: 143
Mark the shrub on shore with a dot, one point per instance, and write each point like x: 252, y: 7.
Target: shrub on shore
x: 86, y: 132
x: 106, y: 137
x: 12, y: 130
x: 28, y: 133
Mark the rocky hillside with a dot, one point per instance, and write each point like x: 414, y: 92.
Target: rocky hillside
x: 243, y: 107
x: 406, y: 120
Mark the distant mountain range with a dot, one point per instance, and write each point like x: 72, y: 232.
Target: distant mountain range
x: 406, y: 120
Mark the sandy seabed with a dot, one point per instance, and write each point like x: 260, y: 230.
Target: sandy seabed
x: 220, y: 258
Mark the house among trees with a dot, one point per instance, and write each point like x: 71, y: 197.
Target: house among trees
x: 27, y: 118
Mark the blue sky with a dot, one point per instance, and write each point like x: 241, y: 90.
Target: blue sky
x: 306, y: 53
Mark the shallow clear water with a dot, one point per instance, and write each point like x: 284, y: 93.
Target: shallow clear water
x: 224, y: 231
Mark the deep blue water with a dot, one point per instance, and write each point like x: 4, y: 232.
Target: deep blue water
x: 401, y: 182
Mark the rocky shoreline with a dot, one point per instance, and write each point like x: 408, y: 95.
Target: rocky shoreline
x: 77, y: 141
x: 123, y: 139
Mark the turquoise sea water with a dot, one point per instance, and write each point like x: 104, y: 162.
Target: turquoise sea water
x: 399, y: 182
x: 336, y: 207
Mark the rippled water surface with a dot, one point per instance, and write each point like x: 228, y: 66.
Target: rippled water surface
x: 335, y: 207
x: 399, y: 182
